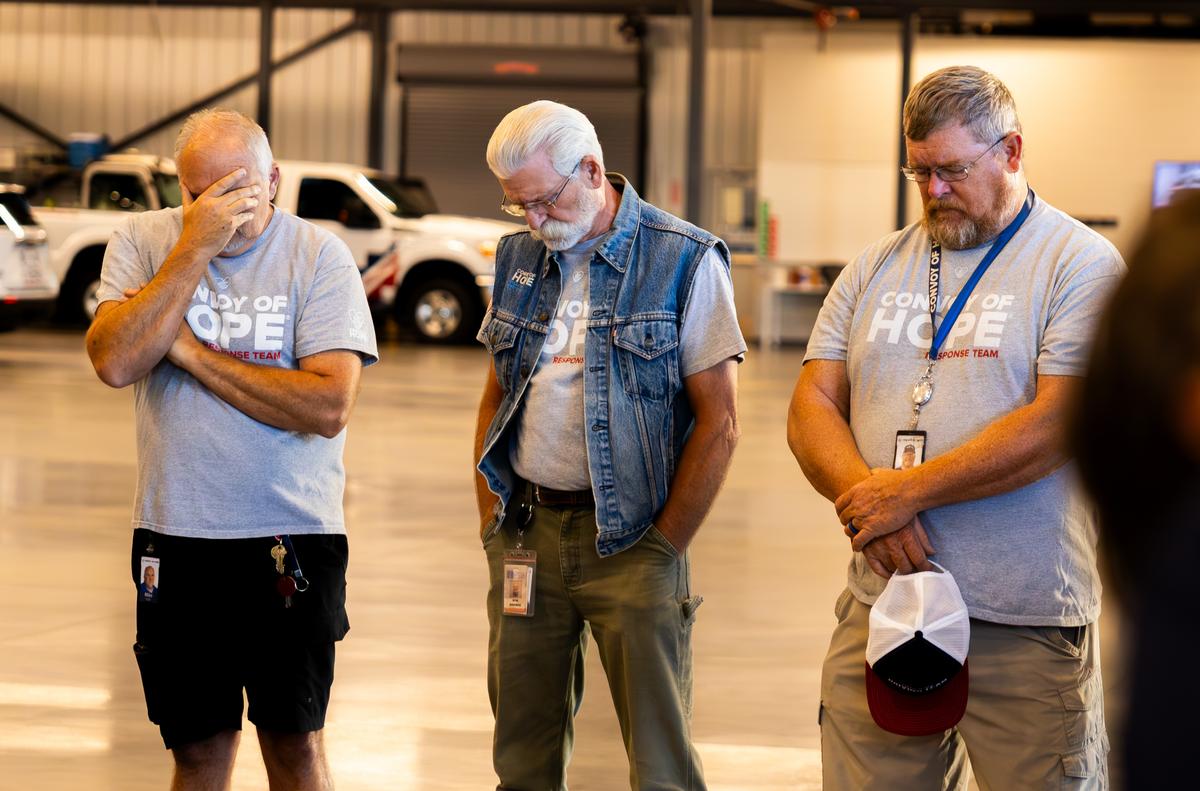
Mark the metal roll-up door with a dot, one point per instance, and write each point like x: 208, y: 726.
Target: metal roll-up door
x: 448, y: 117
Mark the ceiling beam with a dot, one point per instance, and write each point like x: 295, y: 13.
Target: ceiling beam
x: 873, y: 9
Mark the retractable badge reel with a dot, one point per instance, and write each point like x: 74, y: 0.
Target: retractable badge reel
x: 910, y: 443
x: 520, y: 572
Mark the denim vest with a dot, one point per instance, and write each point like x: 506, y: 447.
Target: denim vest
x: 635, y: 409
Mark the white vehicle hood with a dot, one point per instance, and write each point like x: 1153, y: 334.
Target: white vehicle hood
x: 453, y: 225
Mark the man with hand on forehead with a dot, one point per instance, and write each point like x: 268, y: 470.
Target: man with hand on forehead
x: 244, y: 331
x: 964, y: 336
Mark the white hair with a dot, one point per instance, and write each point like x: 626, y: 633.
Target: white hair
x: 564, y: 133
x: 229, y: 123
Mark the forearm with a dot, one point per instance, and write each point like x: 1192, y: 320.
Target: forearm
x: 822, y: 443
x: 1014, y: 451
x: 702, y: 468
x: 128, y: 339
x: 288, y: 399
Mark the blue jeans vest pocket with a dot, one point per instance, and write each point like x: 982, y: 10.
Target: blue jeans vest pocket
x: 648, y: 358
x: 500, y: 338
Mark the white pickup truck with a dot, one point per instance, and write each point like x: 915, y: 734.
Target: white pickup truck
x: 432, y: 271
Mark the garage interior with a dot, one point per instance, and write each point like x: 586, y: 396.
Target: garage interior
x: 770, y: 122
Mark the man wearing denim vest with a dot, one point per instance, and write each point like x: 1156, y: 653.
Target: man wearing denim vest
x: 606, y: 427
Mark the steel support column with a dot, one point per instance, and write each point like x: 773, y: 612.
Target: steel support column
x: 643, y: 56
x: 697, y: 85
x: 379, y: 25
x: 402, y: 143
x: 266, y: 35
x: 908, y: 28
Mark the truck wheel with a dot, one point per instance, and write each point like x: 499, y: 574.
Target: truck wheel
x: 77, y: 297
x: 441, y: 311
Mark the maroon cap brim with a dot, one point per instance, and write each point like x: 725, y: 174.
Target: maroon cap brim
x: 918, y: 715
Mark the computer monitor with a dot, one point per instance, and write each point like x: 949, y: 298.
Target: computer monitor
x: 1172, y: 175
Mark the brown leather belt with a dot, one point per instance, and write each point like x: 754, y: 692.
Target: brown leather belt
x: 557, y: 498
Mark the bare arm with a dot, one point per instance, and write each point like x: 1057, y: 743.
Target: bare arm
x: 820, y: 438
x: 129, y: 338
x: 707, y: 454
x: 818, y: 429
x: 1013, y: 451
x: 316, y: 399
x: 489, y: 404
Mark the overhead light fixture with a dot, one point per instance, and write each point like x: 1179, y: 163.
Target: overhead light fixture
x: 992, y: 19
x: 523, y: 67
x: 1122, y: 20
x: 1177, y: 20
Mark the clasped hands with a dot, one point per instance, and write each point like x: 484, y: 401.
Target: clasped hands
x: 887, y: 529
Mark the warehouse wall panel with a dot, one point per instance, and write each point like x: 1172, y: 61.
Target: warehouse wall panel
x: 1096, y: 116
x: 560, y: 30
x: 734, y: 77
x: 320, y: 104
x: 113, y: 69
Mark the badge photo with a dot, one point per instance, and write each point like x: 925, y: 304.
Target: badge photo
x: 910, y: 449
x: 148, y: 587
x: 519, y: 574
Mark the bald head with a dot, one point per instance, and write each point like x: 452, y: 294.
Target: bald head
x: 218, y: 129
x: 214, y: 143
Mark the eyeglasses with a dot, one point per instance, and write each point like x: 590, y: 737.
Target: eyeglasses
x: 947, y: 172
x: 540, y: 206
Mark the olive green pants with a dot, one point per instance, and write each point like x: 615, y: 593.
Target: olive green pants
x: 639, y: 608
x: 1034, y: 720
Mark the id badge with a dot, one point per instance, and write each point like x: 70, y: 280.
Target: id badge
x: 910, y: 449
x: 150, y: 578
x: 520, y: 572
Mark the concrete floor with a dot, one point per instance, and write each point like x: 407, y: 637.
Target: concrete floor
x: 409, y: 708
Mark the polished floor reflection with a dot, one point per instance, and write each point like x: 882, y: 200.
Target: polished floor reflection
x: 409, y: 708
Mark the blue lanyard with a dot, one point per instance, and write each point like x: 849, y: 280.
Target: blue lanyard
x: 935, y: 270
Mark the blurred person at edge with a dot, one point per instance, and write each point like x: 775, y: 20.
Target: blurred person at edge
x: 1136, y: 433
x: 994, y: 497
x: 244, y: 331
x: 606, y: 427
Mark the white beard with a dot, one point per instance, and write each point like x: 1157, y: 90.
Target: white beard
x: 560, y: 235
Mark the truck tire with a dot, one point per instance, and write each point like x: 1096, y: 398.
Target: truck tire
x: 77, y: 296
x: 440, y: 310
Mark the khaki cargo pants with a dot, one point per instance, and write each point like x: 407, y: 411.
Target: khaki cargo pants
x: 1034, y: 720
x: 639, y: 607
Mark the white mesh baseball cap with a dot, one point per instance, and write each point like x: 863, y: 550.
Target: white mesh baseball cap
x: 917, y: 679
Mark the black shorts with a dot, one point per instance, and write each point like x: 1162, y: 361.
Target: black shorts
x: 214, y: 625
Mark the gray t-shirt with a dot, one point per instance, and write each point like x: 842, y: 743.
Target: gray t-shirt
x: 1028, y: 556
x: 205, y: 469
x: 549, y: 443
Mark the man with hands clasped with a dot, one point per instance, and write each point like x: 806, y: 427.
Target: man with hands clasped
x: 930, y: 411
x: 244, y: 331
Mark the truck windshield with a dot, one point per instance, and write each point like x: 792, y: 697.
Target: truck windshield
x: 411, y: 198
x: 168, y: 190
